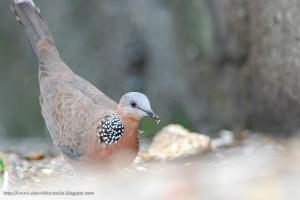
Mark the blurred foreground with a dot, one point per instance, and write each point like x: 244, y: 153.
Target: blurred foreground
x: 234, y: 165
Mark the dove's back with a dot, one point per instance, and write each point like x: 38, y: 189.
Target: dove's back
x: 71, y: 106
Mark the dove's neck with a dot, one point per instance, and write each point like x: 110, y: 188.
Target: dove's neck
x: 130, y: 139
x: 127, y: 118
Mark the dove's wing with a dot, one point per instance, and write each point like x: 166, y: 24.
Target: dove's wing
x: 71, y: 108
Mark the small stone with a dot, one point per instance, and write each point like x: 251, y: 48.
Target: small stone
x: 47, y: 171
x: 37, y: 180
x: 35, y: 156
x: 226, y: 139
x: 174, y: 141
x: 144, y: 156
x: 140, y: 168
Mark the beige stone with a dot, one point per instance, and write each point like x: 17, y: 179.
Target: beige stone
x: 174, y: 141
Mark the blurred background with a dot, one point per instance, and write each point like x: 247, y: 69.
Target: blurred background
x: 205, y: 64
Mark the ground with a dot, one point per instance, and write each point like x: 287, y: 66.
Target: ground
x: 236, y: 165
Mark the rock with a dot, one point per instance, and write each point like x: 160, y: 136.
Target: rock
x: 47, y: 171
x: 174, y: 141
x: 35, y: 156
x: 226, y: 139
x: 143, y: 156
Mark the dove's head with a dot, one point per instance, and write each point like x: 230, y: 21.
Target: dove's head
x: 136, y: 105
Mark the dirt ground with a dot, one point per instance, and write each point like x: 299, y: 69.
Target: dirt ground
x: 235, y: 165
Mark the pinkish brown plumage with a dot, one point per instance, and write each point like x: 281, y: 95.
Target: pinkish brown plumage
x: 85, y: 125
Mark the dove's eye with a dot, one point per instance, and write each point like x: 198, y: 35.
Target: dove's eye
x: 133, y: 104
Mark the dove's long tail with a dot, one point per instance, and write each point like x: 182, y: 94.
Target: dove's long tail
x: 36, y: 30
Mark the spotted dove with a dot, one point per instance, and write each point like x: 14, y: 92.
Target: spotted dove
x: 85, y: 124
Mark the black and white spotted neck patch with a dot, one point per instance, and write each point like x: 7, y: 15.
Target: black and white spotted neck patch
x: 110, y: 129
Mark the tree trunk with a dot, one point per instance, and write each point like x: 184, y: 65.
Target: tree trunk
x: 265, y: 36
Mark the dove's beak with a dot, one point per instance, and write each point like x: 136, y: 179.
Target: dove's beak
x: 152, y: 115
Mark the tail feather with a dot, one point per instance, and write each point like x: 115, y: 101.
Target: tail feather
x: 35, y: 28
